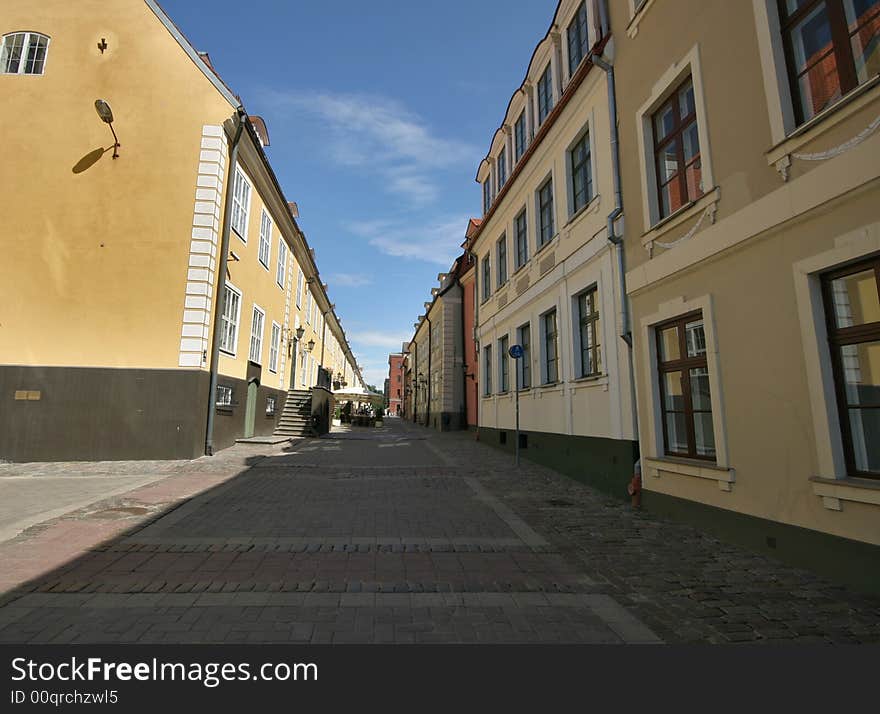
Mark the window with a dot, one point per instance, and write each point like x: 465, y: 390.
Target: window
x: 519, y: 136
x: 545, y: 95
x: 502, y: 168
x: 504, y: 364
x: 545, y: 213
x: 487, y: 277
x: 502, y: 260
x: 281, y: 268
x: 521, y: 232
x: 302, y: 369
x: 270, y: 406
x: 677, y: 150
x: 299, y: 288
x: 589, y: 333
x: 24, y: 53
x: 274, y: 346
x: 224, y: 395
x: 852, y: 300
x: 487, y: 370
x: 551, y: 362
x: 524, y: 364
x: 257, y: 336
x: 308, y: 306
x: 685, y: 401
x: 832, y: 46
x: 581, y: 173
x: 265, y: 239
x: 229, y: 319
x: 578, y: 39
x: 241, y: 203
x: 487, y: 194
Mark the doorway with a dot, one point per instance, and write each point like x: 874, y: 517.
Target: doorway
x: 250, y: 412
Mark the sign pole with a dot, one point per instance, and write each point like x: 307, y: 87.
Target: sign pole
x: 516, y: 351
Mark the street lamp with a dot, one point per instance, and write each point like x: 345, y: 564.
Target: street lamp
x: 106, y: 115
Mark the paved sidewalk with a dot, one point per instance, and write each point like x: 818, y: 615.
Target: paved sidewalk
x: 403, y: 535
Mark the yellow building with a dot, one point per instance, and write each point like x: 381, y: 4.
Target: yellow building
x: 548, y: 271
x: 126, y: 329
x: 750, y: 162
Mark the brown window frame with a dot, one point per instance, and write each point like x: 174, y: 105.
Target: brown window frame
x: 683, y: 364
x: 677, y: 133
x: 839, y: 337
x: 841, y: 47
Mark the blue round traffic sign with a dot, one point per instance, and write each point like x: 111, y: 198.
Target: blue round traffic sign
x: 516, y: 351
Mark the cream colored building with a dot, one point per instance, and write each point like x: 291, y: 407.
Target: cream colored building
x: 750, y: 168
x: 548, y: 272
x: 114, y: 281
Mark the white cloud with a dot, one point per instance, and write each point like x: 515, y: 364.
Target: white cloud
x: 437, y: 242
x: 380, y: 135
x: 372, y: 338
x: 348, y: 280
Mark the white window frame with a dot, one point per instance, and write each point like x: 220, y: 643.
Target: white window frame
x: 527, y: 357
x: 265, y: 239
x: 669, y: 82
x: 281, y: 267
x: 272, y: 400
x: 848, y: 248
x: 586, y: 130
x: 24, y: 55
x: 487, y: 370
x: 235, y: 324
x: 501, y: 173
x: 502, y: 356
x: 257, y: 339
x: 242, y: 191
x: 549, y: 178
x: 651, y: 426
x: 274, y: 347
x: 309, y: 304
x: 542, y: 335
x: 227, y: 392
x: 299, y: 287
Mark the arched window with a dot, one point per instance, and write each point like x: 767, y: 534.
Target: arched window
x: 23, y: 53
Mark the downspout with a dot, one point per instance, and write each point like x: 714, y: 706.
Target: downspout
x: 464, y: 386
x: 613, y: 238
x: 241, y: 116
x: 430, y: 350
x: 476, y: 263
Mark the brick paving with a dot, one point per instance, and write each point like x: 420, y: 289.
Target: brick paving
x: 397, y: 535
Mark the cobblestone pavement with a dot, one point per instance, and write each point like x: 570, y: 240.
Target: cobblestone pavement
x: 399, y: 535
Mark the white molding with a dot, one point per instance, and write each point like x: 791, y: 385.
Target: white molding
x: 670, y: 79
x: 849, y: 247
x: 650, y: 424
x: 201, y: 263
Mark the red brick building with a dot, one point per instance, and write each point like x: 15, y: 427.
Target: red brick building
x: 395, y: 384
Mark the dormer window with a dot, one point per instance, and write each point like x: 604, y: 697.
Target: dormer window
x: 502, y: 168
x: 545, y: 95
x: 519, y: 136
x: 577, y: 39
x: 24, y: 53
x: 487, y: 194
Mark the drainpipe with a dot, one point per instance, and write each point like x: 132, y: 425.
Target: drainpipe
x: 430, y: 350
x: 476, y: 263
x: 464, y: 398
x: 241, y: 117
x: 613, y: 238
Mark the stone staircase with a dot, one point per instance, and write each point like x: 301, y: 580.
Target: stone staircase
x: 296, y: 419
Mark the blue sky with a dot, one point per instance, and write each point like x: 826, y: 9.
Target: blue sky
x: 378, y: 114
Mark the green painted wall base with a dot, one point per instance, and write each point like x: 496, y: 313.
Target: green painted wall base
x: 604, y: 464
x: 844, y: 561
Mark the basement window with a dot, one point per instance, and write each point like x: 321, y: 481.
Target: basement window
x: 270, y: 406
x: 224, y: 395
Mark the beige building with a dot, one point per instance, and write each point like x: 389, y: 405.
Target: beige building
x: 548, y: 274
x: 750, y: 163
x: 152, y: 287
x: 438, y: 350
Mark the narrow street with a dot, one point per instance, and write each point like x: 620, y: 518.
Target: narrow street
x: 397, y: 534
